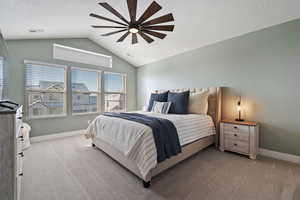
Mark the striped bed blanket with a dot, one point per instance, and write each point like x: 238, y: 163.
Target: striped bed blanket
x: 163, y: 130
x: 136, y: 141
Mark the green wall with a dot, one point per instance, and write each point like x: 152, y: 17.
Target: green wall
x: 263, y: 66
x: 41, y: 50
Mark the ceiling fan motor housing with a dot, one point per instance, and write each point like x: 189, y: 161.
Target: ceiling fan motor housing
x: 134, y: 28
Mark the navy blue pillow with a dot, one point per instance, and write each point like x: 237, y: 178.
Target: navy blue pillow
x: 179, y: 102
x: 162, y: 97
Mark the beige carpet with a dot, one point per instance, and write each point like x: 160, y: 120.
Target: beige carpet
x: 70, y: 169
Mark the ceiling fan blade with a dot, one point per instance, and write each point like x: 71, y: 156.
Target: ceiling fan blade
x: 114, y: 32
x: 107, y: 19
x: 123, y: 37
x: 113, y: 11
x: 151, y: 10
x: 163, y: 19
x: 146, y: 37
x: 134, y: 38
x: 155, y: 34
x: 132, y: 4
x: 109, y: 27
x: 160, y: 28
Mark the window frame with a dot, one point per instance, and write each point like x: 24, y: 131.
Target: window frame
x: 99, y: 92
x: 124, y: 88
x: 64, y: 92
x: 2, y: 78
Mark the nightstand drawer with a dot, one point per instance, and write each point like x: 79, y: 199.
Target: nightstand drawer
x: 244, y: 136
x: 236, y: 128
x: 237, y: 145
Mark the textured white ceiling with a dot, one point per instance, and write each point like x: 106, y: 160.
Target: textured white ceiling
x: 197, y: 22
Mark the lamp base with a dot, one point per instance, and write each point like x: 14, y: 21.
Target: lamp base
x: 239, y: 120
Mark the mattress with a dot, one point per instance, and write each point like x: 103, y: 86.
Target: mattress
x: 136, y: 141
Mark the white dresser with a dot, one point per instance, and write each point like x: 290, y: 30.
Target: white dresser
x: 11, y: 153
x: 240, y: 137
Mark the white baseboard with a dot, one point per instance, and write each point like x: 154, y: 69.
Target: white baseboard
x: 56, y: 136
x: 279, y: 155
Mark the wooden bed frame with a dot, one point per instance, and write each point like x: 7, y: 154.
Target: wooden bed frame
x: 214, y: 110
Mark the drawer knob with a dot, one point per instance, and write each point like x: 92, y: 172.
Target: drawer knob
x: 235, y: 144
x: 235, y: 135
x: 235, y: 127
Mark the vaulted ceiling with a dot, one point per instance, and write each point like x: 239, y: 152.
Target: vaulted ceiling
x: 197, y: 22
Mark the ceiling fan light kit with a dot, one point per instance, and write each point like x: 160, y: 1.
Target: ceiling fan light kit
x: 146, y: 29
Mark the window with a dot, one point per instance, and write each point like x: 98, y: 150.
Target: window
x: 86, y: 91
x: 1, y: 78
x: 115, y: 92
x: 81, y: 56
x: 45, y: 89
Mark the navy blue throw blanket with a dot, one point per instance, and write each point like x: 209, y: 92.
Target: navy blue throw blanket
x: 164, y: 133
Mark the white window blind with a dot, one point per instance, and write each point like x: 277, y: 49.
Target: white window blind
x: 45, y: 89
x: 114, y: 92
x: 81, y: 56
x: 86, y: 91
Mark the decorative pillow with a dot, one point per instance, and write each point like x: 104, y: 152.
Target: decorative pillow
x: 198, y: 103
x: 161, y: 107
x: 179, y: 102
x: 162, y: 97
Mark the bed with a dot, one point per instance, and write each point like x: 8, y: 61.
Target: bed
x: 131, y: 144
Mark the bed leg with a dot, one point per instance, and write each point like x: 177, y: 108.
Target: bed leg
x: 93, y: 145
x: 146, y: 184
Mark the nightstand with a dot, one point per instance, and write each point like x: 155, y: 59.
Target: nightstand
x: 240, y: 137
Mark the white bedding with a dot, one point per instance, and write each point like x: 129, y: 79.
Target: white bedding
x: 136, y: 141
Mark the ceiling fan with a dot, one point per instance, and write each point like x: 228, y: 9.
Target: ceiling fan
x: 137, y: 26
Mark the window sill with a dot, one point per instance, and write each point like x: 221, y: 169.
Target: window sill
x: 87, y: 113
x: 47, y: 117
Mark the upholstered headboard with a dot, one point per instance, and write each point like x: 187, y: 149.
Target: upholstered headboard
x: 214, y: 103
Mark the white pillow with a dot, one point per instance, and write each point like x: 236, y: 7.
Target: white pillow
x: 161, y: 107
x: 198, y: 103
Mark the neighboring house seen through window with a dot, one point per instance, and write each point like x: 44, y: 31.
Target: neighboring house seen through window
x: 86, y: 91
x: 45, y: 90
x: 114, y: 92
